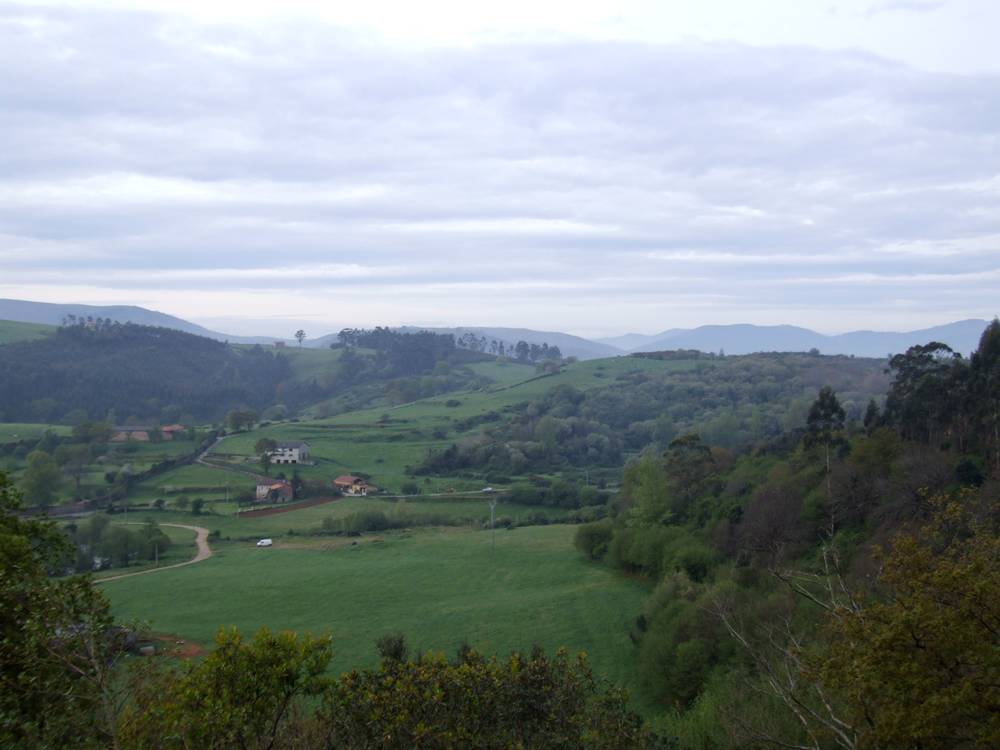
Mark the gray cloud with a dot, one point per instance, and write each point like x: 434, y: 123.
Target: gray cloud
x: 152, y: 155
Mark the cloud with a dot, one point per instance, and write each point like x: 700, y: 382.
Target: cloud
x: 183, y: 163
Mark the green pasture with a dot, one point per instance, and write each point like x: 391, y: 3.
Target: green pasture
x: 12, y: 331
x: 13, y: 432
x: 438, y: 588
x: 195, y: 480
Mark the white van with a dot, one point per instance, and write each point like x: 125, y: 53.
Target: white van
x: 264, y: 543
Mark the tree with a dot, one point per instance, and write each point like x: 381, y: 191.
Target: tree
x: 58, y: 650
x: 917, y: 666
x: 182, y: 502
x: 300, y: 336
x: 42, y: 478
x: 265, y: 448
x: 910, y: 662
x: 245, y: 694
x: 825, y: 422
x: 197, y: 505
x: 525, y: 700
x: 239, y: 420
x: 74, y: 458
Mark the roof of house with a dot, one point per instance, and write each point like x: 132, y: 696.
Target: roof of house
x: 273, y: 484
x: 173, y: 428
x: 348, y: 479
x: 289, y: 444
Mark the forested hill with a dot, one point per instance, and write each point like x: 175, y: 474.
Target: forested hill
x: 132, y: 370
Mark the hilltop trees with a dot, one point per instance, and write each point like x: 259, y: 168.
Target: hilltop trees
x: 133, y: 370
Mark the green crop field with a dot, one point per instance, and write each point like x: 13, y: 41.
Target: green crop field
x: 438, y: 588
x: 13, y: 331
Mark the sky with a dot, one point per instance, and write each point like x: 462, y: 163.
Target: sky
x: 591, y: 167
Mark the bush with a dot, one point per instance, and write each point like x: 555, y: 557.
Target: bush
x: 592, y: 539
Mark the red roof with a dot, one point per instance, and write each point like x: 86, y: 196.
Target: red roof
x: 348, y: 479
x: 172, y: 428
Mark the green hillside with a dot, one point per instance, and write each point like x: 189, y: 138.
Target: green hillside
x: 12, y: 331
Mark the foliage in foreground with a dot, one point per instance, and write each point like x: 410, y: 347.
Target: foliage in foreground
x: 257, y: 693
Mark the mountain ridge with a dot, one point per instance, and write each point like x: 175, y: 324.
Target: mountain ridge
x: 738, y: 338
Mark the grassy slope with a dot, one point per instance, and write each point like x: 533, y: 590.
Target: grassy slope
x: 438, y: 588
x: 383, y: 441
x: 12, y: 331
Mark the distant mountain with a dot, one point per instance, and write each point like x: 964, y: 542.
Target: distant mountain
x: 53, y: 314
x: 632, y: 341
x: 570, y: 346
x: 962, y: 336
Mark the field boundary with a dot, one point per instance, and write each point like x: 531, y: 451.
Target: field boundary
x: 273, y: 511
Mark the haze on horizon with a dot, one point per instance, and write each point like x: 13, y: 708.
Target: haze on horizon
x: 591, y: 167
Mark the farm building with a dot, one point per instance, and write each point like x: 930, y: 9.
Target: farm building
x: 170, y: 431
x: 274, y: 491
x: 295, y: 452
x: 122, y: 434
x: 352, y: 485
x: 142, y: 434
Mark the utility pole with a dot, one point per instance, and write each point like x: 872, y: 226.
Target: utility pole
x: 493, y: 526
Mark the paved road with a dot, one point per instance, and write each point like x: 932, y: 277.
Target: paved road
x: 204, y: 552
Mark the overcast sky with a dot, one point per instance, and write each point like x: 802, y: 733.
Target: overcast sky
x: 592, y: 167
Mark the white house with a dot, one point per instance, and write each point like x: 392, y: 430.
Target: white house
x: 290, y: 453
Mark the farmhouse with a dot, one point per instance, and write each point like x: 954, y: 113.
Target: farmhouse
x: 170, y: 431
x: 290, y: 453
x: 352, y: 485
x: 122, y: 434
x: 274, y: 491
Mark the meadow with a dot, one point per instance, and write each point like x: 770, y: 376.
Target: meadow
x: 438, y: 588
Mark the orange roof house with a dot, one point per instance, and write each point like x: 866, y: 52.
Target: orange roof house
x: 352, y: 485
x: 274, y: 491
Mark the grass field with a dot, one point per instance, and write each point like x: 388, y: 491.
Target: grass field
x: 438, y: 588
x: 13, y: 331
x: 13, y: 432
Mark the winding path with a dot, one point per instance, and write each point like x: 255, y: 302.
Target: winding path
x: 204, y: 552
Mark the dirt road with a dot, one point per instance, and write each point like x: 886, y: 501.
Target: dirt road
x: 204, y: 552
